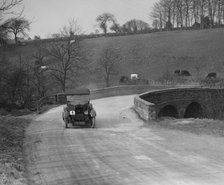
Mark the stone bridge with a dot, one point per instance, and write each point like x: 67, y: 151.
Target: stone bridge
x: 181, y: 103
x: 59, y: 98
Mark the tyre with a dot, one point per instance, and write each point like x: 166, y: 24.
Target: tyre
x: 63, y: 116
x: 66, y: 123
x: 92, y: 122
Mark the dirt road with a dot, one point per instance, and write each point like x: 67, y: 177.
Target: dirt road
x: 121, y: 150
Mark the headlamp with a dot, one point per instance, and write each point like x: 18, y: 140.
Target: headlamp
x: 72, y: 112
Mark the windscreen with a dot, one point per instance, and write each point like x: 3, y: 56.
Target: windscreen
x: 77, y: 99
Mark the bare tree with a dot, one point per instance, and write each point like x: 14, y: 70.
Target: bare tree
x: 3, y: 35
x: 104, y: 19
x: 187, y: 7
x: 18, y: 88
x: 7, y: 5
x: 180, y: 11
x: 65, y: 62
x: 55, y: 35
x: 116, y: 27
x: 107, y: 63
x: 202, y: 11
x: 219, y: 16
x: 195, y: 9
x: 155, y: 24
x: 134, y: 26
x: 40, y: 80
x: 220, y: 12
x: 17, y: 26
x: 157, y: 14
x: 72, y: 30
x: 167, y: 6
x: 196, y: 13
x: 212, y: 9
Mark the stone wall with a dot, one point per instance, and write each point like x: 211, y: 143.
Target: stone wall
x: 60, y: 98
x: 146, y: 110
x: 211, y: 102
x: 121, y: 90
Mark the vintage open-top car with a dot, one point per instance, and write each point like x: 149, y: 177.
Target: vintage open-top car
x: 78, y: 110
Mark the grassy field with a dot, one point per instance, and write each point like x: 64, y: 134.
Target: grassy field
x: 152, y: 55
x: 12, y: 165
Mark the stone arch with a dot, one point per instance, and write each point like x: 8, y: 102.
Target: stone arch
x: 193, y: 110
x: 168, y: 111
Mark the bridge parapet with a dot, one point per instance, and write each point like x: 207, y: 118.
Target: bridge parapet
x: 181, y: 103
x: 60, y: 98
x: 146, y: 110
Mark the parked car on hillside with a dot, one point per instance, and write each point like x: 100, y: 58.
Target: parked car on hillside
x: 78, y: 110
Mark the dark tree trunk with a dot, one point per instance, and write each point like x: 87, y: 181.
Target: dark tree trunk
x: 16, y: 38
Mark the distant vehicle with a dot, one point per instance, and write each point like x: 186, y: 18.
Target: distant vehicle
x: 211, y: 75
x: 78, y: 110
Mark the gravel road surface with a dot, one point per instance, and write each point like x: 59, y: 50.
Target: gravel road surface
x: 121, y: 150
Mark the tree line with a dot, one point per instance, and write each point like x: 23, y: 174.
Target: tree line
x: 168, y: 14
x: 131, y: 26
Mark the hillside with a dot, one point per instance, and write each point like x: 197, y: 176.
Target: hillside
x: 151, y: 55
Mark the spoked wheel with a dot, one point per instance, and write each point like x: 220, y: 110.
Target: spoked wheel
x: 92, y: 122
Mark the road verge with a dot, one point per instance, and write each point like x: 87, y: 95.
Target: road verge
x: 12, y: 165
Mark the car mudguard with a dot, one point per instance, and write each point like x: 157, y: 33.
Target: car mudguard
x: 93, y: 113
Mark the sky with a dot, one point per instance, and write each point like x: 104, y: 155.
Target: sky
x: 49, y: 16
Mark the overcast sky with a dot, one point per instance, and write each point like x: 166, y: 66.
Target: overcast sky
x: 49, y: 16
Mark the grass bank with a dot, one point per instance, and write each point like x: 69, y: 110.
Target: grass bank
x: 196, y: 126
x: 12, y: 165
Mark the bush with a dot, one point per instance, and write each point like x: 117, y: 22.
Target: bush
x: 212, y: 82
x: 3, y: 112
x: 171, y: 79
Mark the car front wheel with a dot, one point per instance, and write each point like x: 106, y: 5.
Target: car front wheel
x: 66, y: 123
x: 92, y: 122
